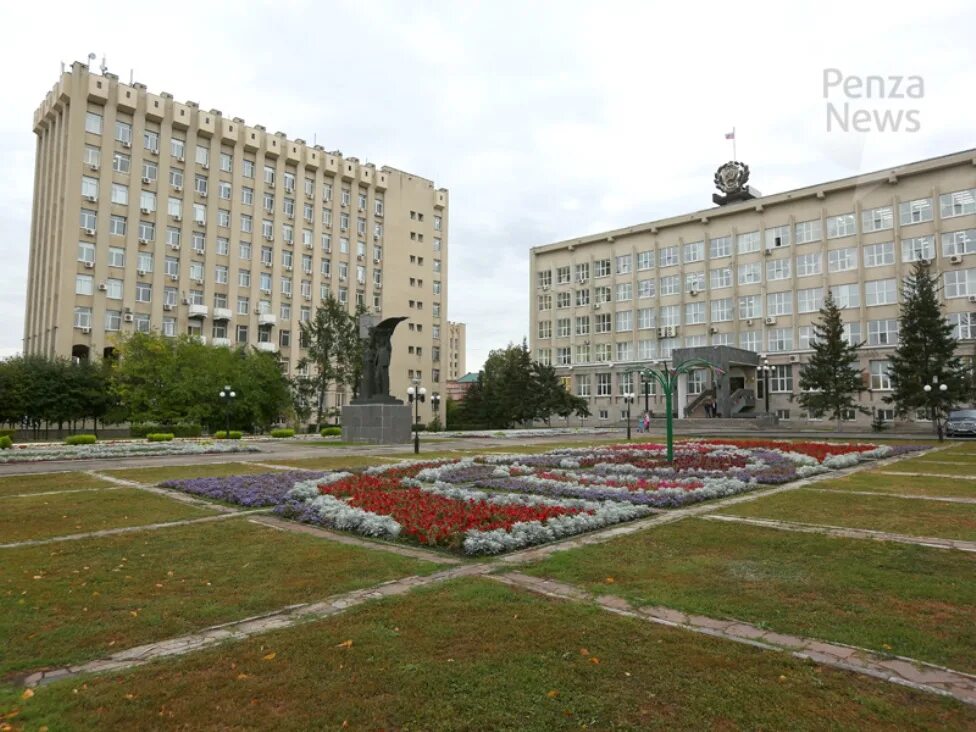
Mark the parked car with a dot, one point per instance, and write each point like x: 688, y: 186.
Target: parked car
x: 961, y: 422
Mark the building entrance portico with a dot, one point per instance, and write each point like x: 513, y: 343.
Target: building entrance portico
x: 732, y: 387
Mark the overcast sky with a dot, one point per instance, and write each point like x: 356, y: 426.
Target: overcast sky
x: 545, y: 120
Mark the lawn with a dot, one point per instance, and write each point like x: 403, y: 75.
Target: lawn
x: 42, y: 517
x: 878, y: 513
x: 930, y: 465
x: 873, y: 482
x: 40, y: 483
x: 210, y: 470
x: 908, y: 600
x: 475, y: 655
x: 90, y: 598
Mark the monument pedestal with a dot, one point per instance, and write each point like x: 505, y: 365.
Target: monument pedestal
x: 377, y: 423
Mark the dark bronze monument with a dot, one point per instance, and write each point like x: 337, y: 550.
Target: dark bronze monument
x: 374, y: 388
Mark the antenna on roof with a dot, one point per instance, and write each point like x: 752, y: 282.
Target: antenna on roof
x: 131, y: 76
x: 91, y: 59
x: 103, y: 67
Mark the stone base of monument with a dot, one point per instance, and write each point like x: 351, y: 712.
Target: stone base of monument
x: 379, y: 424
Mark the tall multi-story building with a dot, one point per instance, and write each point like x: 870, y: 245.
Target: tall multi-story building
x: 753, y: 275
x: 456, y: 345
x: 151, y: 214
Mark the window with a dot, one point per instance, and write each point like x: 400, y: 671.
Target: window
x: 624, y: 264
x: 882, y: 332
x: 545, y: 278
x: 645, y: 319
x: 720, y: 278
x: 749, y: 242
x: 846, y: 296
x: 582, y: 272
x: 720, y: 247
x: 583, y: 325
x: 84, y: 284
x: 841, y: 260
x: 150, y: 171
x: 582, y: 297
x: 916, y: 248
x: 86, y: 252
x: 118, y: 225
x: 880, y: 292
x: 143, y: 292
x: 781, y: 379
x: 722, y: 310
x: 113, y: 289
x: 646, y: 351
x: 695, y: 281
x: 645, y: 260
x: 93, y: 123
x: 877, y: 219
x: 959, y: 203
x: 147, y: 231
x: 93, y: 156
x: 583, y: 353
x: 602, y: 268
x: 669, y: 316
x: 123, y: 132
x: 915, y: 212
x: 603, y: 384
x: 809, y: 264
x: 88, y: 219
x: 645, y: 288
x: 669, y: 256
x: 582, y: 385
x: 805, y: 337
x: 750, y: 274
x: 89, y: 188
x: 694, y: 313
x: 839, y: 226
x: 199, y: 213
x: 121, y: 163
x: 116, y: 257
x: 221, y: 274
x: 563, y: 327
x: 545, y: 329
x: 749, y: 340
x: 177, y: 148
x: 601, y: 323
x: 809, y: 300
x: 199, y: 242
x: 877, y: 255
x: 964, y: 325
x: 563, y: 275
x: 269, y: 176
x: 624, y: 320
x: 779, y: 303
x: 960, y: 283
x: 778, y: 269
x: 777, y: 236
x: 808, y: 231
x: 176, y: 178
x: 694, y: 251
x: 147, y: 201
x: 779, y: 340
x: 959, y: 242
x: 83, y: 317
x: 750, y: 306
x: 113, y: 320
x: 120, y: 194
x: 625, y: 291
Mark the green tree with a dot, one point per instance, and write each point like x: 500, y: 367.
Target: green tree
x: 831, y: 381
x: 330, y: 338
x: 926, y: 353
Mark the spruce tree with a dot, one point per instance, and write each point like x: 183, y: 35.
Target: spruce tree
x: 926, y: 353
x: 831, y: 381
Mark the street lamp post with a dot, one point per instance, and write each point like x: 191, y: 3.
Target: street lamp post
x: 227, y: 396
x: 435, y: 403
x: 416, y: 394
x: 937, y: 396
x: 628, y: 400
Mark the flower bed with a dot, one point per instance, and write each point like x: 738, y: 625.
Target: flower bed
x: 117, y: 450
x: 260, y: 489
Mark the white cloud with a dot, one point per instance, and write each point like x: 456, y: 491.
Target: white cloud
x: 546, y: 120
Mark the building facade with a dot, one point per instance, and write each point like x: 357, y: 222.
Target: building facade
x: 753, y: 275
x: 456, y: 347
x: 151, y: 214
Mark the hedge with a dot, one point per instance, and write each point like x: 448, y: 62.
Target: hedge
x: 8, y: 432
x: 143, y: 429
x: 5, y: 442
x: 283, y: 432
x: 159, y: 436
x: 331, y: 431
x: 81, y: 440
x: 222, y: 435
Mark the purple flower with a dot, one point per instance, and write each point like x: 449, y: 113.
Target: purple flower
x: 260, y: 489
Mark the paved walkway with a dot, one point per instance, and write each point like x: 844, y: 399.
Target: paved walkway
x: 909, y: 496
x: 849, y: 533
x: 896, y: 669
x: 167, y: 492
x: 59, y: 493
x: 238, y: 630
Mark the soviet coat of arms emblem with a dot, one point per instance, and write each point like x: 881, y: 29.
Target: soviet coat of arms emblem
x: 732, y: 177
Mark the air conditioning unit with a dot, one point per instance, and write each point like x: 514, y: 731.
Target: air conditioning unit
x: 128, y: 317
x: 926, y: 262
x: 167, y: 307
x: 154, y: 151
x: 198, y: 280
x: 749, y: 323
x: 90, y: 198
x: 103, y: 287
x: 376, y: 260
x: 309, y: 245
x: 89, y: 265
x: 90, y: 232
x: 545, y: 288
x: 202, y: 194
x: 972, y: 299
x: 291, y: 216
x: 174, y: 277
x: 143, y: 241
x: 186, y: 301
x: 141, y: 272
x: 770, y: 321
x: 205, y: 166
x: 597, y: 306
x: 86, y: 330
x: 956, y: 259
x: 93, y: 166
x: 181, y: 159
x: 307, y: 297
x: 768, y: 252
x: 376, y: 237
x: 126, y: 143
x: 145, y: 210
x: 794, y: 358
x: 288, y: 268
x: 269, y: 237
x: 146, y: 179
x: 582, y: 280
x: 177, y: 217
x: 178, y: 189
x: 693, y: 291
x: 713, y: 329
x: 175, y: 247
x: 309, y: 195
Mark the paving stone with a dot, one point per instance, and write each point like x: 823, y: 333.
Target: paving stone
x: 742, y: 630
x: 612, y: 601
x: 786, y: 641
x: 666, y: 614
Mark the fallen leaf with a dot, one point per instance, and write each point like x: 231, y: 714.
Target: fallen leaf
x: 595, y: 660
x: 130, y: 696
x: 609, y: 580
x: 134, y: 613
x: 552, y: 694
x: 584, y: 652
x: 782, y: 679
x: 345, y: 644
x: 270, y: 656
x: 886, y: 646
x: 241, y: 677
x: 28, y: 693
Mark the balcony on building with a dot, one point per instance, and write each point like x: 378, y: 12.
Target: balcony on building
x: 267, y: 346
x: 221, y: 341
x: 222, y: 314
x: 197, y: 311
x: 267, y: 319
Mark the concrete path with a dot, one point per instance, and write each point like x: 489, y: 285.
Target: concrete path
x: 167, y: 492
x: 849, y: 533
x: 895, y: 669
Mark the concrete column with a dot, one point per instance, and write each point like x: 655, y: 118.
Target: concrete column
x: 681, y: 398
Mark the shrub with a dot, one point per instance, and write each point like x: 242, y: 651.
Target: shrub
x: 143, y: 429
x: 81, y: 440
x: 159, y: 436
x: 283, y: 432
x: 418, y: 427
x: 234, y: 435
x: 5, y: 442
x: 331, y: 431
x: 8, y: 432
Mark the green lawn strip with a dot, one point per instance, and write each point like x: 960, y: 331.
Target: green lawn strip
x: 43, y: 482
x: 877, y: 513
x: 338, y: 462
x: 209, y: 470
x: 475, y: 655
x: 873, y: 482
x: 918, y: 465
x: 88, y: 599
x: 43, y: 517
x: 908, y: 600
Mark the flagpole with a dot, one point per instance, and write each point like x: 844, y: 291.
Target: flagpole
x: 734, y: 156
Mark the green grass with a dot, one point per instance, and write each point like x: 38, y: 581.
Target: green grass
x: 478, y: 656
x: 42, y: 517
x: 209, y: 470
x: 878, y: 513
x: 908, y: 600
x: 908, y: 485
x: 39, y: 483
x: 338, y: 462
x: 922, y: 465
x: 87, y: 599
